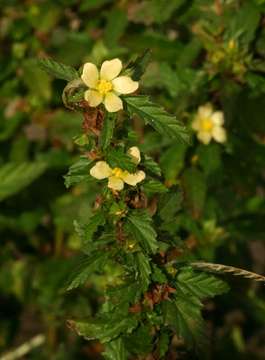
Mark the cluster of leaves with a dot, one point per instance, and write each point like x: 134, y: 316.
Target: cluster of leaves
x: 203, y: 202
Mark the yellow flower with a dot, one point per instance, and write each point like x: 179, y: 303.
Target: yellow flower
x: 232, y: 45
x: 117, y: 177
x: 105, y: 85
x: 209, y: 124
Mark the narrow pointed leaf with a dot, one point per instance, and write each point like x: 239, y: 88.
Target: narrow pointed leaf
x: 107, y: 131
x: 104, y: 329
x: 58, y: 70
x: 144, y: 270
x: 200, y: 284
x: 85, y: 267
x: 225, y: 269
x: 163, y: 122
x: 139, y: 225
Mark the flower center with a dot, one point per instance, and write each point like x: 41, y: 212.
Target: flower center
x: 117, y: 172
x: 206, y: 124
x: 104, y: 86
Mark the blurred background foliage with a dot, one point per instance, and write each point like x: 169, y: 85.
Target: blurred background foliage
x: 202, y: 51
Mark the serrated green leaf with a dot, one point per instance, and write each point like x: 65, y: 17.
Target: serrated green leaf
x: 184, y: 312
x: 124, y: 295
x: 16, y: 176
x: 139, y: 225
x: 190, y: 323
x: 154, y: 186
x: 105, y: 329
x: 143, y: 270
x: 151, y: 165
x: 86, y: 266
x: 78, y: 172
x: 117, y: 158
x: 107, y: 131
x: 200, y: 284
x: 115, y: 350
x: 157, y: 117
x: 184, y: 316
x: 87, y: 231
x: 58, y: 70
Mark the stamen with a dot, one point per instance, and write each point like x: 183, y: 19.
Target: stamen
x: 104, y: 86
x: 117, y: 172
x: 206, y: 124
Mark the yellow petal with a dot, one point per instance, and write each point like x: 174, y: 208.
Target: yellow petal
x: 205, y: 111
x: 133, y: 179
x: 101, y: 170
x: 204, y: 137
x: 218, y: 118
x: 125, y: 85
x: 219, y: 134
x: 90, y: 75
x: 115, y: 183
x: 134, y: 153
x: 110, y: 69
x: 196, y: 123
x: 112, y: 102
x: 93, y: 97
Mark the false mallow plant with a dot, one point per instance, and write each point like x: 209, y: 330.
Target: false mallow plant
x: 155, y: 292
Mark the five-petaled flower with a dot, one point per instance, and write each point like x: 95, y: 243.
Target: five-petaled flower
x: 209, y: 124
x: 106, y: 86
x: 117, y: 177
